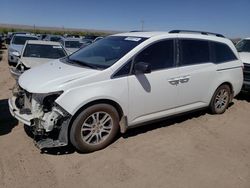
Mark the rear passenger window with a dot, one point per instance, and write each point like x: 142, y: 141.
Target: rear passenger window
x: 194, y: 51
x: 223, y: 53
x: 160, y: 55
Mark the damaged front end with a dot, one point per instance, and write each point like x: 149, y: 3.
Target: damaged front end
x: 18, y: 70
x: 46, y: 119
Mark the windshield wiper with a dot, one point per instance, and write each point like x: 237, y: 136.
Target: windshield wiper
x: 83, y: 63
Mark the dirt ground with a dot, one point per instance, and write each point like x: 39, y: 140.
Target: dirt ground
x: 198, y: 150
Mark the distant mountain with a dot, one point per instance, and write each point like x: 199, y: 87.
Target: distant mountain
x: 30, y: 27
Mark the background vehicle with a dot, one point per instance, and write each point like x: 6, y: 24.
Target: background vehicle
x: 126, y: 80
x: 1, y: 41
x: 36, y: 52
x: 71, y: 36
x: 55, y: 38
x: 243, y: 48
x: 11, y: 34
x: 42, y: 36
x: 85, y: 42
x: 91, y: 37
x: 16, y: 45
x: 98, y: 38
x: 71, y: 44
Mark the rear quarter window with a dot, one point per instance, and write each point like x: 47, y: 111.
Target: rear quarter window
x: 222, y: 53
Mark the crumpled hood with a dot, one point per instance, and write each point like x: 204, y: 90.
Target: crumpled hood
x: 31, y: 62
x: 52, y: 76
x: 245, y: 57
x: 18, y: 48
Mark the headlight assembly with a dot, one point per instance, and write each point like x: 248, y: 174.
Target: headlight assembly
x: 47, y: 100
x: 11, y: 50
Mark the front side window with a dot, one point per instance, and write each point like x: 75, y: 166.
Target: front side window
x: 44, y: 51
x: 20, y: 40
x: 106, y: 52
x: 222, y: 52
x: 194, y: 51
x: 243, y: 46
x: 124, y: 71
x: 159, y: 55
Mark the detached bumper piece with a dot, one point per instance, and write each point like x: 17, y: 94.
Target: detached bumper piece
x: 49, y: 143
x: 15, y: 73
x: 15, y: 112
x: 60, y: 140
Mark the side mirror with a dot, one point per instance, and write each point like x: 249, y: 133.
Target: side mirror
x: 142, y: 68
x: 17, y: 54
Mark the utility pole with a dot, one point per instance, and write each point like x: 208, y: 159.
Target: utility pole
x: 63, y: 29
x: 142, y: 25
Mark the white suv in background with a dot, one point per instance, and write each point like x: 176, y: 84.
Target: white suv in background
x: 123, y: 81
x: 35, y: 53
x: 16, y: 46
x: 243, y: 48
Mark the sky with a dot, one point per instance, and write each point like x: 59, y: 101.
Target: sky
x: 228, y: 17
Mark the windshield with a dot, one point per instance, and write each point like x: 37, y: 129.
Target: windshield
x: 20, y: 40
x: 44, y: 51
x: 105, y: 52
x: 243, y: 46
x: 72, y: 44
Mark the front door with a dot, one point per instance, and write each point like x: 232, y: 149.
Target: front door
x: 154, y: 95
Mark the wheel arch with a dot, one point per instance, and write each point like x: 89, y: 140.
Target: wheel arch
x: 231, y: 88
x: 98, y: 101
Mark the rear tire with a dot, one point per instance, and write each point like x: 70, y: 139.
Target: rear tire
x: 220, y: 100
x: 94, y: 128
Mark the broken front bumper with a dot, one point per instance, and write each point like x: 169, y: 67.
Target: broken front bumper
x: 42, y: 140
x: 15, y: 73
x: 15, y: 112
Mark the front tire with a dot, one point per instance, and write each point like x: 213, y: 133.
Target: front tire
x: 94, y: 128
x: 220, y: 100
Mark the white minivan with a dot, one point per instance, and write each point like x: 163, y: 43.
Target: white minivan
x: 126, y: 80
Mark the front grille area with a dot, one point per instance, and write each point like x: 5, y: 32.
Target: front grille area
x: 246, y: 72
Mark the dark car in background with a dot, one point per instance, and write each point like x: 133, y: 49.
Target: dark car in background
x: 54, y: 38
x: 1, y: 41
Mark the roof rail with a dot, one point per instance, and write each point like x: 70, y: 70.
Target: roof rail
x: 201, y: 32
x: 133, y: 31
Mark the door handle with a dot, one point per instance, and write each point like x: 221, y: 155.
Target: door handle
x: 174, y: 81
x: 184, y: 79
